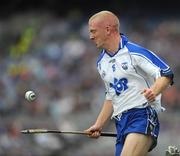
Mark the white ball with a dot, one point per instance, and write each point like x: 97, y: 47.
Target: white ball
x: 30, y: 96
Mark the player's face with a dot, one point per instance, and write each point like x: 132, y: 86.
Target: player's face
x: 97, y: 33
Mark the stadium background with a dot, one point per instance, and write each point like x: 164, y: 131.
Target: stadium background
x: 44, y: 47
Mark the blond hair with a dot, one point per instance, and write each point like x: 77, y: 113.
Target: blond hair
x: 108, y: 18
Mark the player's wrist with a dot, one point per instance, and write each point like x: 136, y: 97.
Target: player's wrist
x: 98, y: 126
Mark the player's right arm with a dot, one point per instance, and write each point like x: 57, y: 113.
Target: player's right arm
x: 101, y: 120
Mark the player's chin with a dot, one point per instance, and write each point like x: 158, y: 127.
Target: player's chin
x: 98, y: 45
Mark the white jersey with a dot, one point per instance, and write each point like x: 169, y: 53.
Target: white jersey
x: 127, y: 72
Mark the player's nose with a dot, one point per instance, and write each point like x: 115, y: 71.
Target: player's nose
x: 91, y: 37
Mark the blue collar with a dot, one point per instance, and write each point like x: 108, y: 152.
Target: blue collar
x: 122, y: 43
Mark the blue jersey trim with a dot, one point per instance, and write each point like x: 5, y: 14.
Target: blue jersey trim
x: 111, y: 54
x: 135, y: 49
x: 122, y: 43
x: 148, y: 55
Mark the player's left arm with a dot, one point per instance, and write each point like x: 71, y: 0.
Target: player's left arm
x: 160, y: 84
x: 153, y: 66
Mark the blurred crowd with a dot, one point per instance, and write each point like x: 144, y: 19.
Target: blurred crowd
x: 54, y: 57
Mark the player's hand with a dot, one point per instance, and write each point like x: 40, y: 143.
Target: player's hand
x: 149, y: 94
x: 93, y: 131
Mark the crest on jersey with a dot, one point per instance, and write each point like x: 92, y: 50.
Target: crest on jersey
x: 112, y: 61
x: 124, y: 65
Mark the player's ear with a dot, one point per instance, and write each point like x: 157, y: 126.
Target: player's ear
x: 108, y: 30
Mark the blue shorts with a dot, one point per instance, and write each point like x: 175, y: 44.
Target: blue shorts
x: 136, y: 120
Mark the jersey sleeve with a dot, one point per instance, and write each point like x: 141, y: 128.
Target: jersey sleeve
x: 150, y: 63
x: 149, y: 68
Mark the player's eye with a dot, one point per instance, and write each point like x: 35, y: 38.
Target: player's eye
x: 92, y: 31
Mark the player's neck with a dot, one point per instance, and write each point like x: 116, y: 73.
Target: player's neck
x: 113, y: 44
